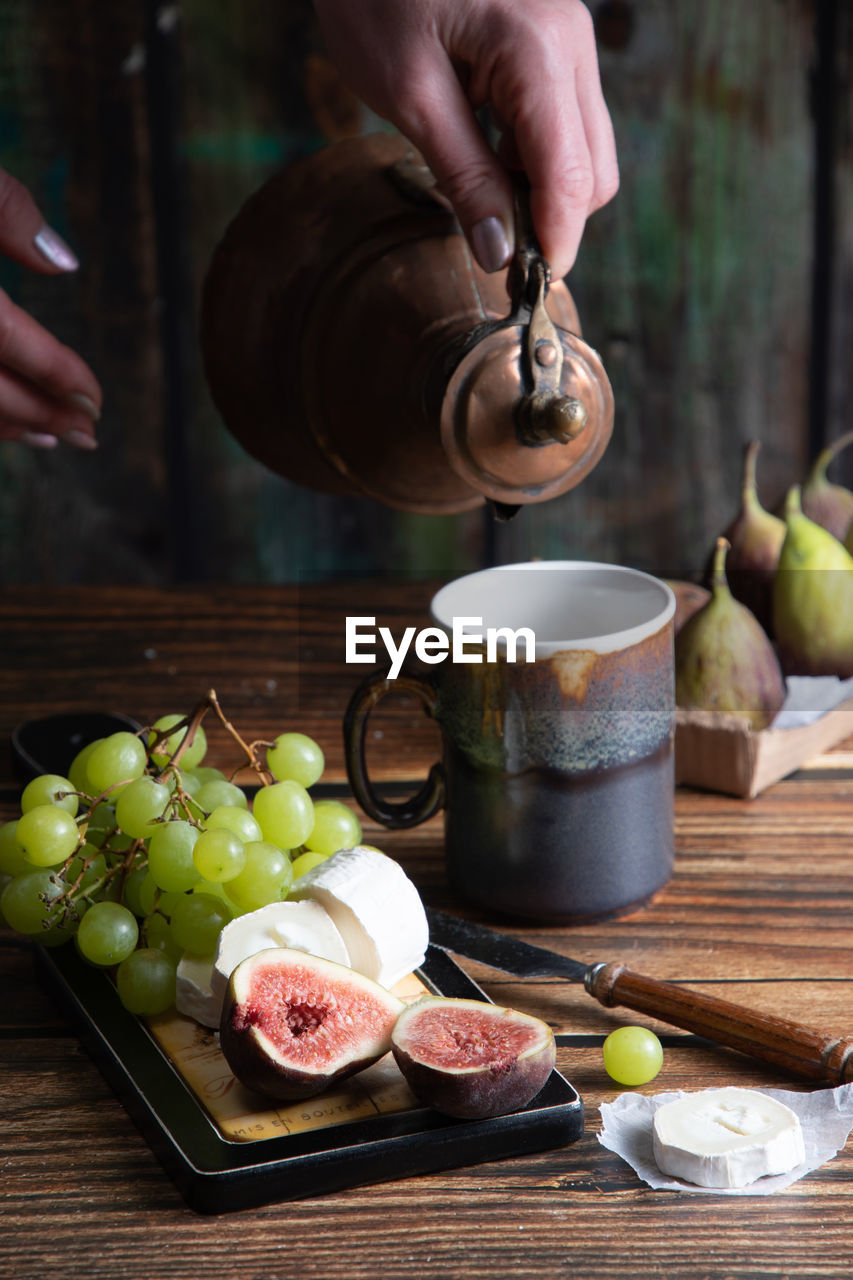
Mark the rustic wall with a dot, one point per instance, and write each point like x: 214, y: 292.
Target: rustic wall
x: 141, y: 128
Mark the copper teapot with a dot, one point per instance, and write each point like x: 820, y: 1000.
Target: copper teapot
x: 352, y: 343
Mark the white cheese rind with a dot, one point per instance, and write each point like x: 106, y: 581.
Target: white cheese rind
x: 193, y: 994
x: 302, y: 926
x: 376, y: 908
x: 726, y: 1137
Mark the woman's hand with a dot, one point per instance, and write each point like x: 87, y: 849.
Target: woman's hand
x: 47, y: 393
x: 428, y: 65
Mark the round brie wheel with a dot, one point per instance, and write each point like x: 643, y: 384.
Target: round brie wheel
x: 726, y: 1137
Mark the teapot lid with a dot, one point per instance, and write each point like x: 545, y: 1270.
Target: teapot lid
x: 527, y: 411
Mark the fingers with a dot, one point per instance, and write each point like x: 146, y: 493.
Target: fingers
x: 427, y: 66
x: 440, y: 121
x: 569, y: 180
x: 562, y: 137
x: 24, y: 235
x: 47, y: 392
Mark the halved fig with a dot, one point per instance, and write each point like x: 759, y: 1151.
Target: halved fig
x: 471, y: 1059
x: 292, y: 1024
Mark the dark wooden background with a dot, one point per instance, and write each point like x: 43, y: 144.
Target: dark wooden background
x: 717, y: 286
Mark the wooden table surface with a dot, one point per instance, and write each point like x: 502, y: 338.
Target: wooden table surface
x: 760, y: 910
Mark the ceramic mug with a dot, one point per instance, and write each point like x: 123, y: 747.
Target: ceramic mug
x: 557, y: 775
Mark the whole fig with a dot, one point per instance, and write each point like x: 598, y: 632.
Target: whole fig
x: 724, y: 660
x: 755, y: 537
x: 813, y: 598
x: 472, y: 1059
x: 292, y: 1024
x: 829, y: 505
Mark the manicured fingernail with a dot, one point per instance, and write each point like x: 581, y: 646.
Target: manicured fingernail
x: 80, y: 440
x: 53, y: 247
x: 490, y: 244
x: 38, y: 440
x: 84, y: 402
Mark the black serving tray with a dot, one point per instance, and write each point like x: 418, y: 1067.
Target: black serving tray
x: 217, y: 1175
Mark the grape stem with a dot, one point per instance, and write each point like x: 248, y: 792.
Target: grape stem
x: 251, y: 755
x: 210, y: 702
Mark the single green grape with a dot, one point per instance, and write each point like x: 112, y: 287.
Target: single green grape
x: 170, y: 856
x: 130, y: 893
x: 107, y: 934
x: 219, y: 855
x: 234, y: 818
x: 197, y: 921
x: 216, y: 891
x: 78, y: 772
x: 139, y: 806
x: 50, y: 788
x: 305, y: 861
x: 285, y: 812
x: 208, y: 773
x: 21, y: 904
x: 146, y: 982
x: 47, y: 834
x: 294, y: 757
x: 118, y: 758
x: 266, y: 877
x: 13, y: 861
x: 632, y: 1055
x: 157, y: 933
x: 195, y: 751
x: 335, y: 827
x: 59, y: 934
x: 218, y: 791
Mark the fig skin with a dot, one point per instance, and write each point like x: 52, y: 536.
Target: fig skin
x: 724, y: 661
x: 504, y: 1080
x: 260, y: 1065
x: 829, y: 505
x: 689, y: 599
x: 755, y: 538
x: 813, y: 598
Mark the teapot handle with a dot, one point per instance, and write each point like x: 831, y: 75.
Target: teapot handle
x: 430, y: 798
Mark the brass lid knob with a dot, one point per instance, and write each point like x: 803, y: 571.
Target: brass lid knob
x: 528, y: 410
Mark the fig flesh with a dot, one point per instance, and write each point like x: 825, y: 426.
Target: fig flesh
x: 293, y: 1024
x: 470, y: 1059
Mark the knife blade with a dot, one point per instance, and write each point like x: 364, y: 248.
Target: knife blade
x: 803, y: 1050
x: 500, y: 950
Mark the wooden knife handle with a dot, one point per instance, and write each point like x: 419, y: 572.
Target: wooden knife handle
x: 799, y: 1049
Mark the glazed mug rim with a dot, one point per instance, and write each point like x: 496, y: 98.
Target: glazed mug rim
x: 459, y: 598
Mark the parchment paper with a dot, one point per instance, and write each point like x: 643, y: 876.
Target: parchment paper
x: 810, y: 697
x: 826, y: 1118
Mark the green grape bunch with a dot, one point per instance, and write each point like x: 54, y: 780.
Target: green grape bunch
x: 143, y: 853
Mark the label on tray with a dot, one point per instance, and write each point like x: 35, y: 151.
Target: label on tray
x: 243, y: 1116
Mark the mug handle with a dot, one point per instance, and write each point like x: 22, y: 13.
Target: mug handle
x: 406, y: 813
